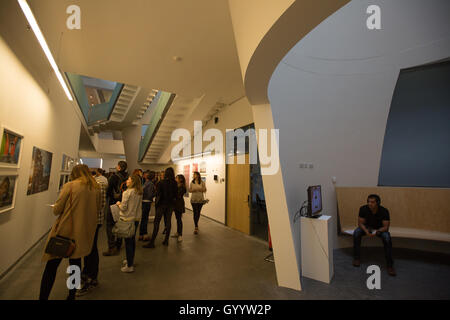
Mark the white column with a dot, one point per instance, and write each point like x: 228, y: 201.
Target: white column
x: 286, y: 264
x: 131, y: 140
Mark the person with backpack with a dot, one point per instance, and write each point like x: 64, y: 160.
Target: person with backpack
x: 147, y: 199
x: 116, y: 186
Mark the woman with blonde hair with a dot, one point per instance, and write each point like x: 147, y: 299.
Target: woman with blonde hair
x: 131, y: 212
x: 77, y: 207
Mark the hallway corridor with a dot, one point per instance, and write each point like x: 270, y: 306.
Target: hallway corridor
x: 219, y: 263
x: 224, y: 264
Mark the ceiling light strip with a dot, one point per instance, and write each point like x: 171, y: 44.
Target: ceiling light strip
x: 37, y: 32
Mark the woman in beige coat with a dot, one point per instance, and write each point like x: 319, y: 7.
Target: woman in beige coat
x: 76, y: 208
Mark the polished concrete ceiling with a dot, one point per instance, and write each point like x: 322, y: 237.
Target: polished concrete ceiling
x: 135, y: 41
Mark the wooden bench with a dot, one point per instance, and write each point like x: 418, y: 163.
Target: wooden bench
x: 420, y: 213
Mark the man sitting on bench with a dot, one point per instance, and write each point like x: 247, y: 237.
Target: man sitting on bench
x: 373, y: 221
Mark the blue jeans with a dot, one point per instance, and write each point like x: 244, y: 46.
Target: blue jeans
x: 387, y: 243
x: 146, y: 206
x: 130, y: 246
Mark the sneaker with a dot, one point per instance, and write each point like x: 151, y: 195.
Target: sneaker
x: 127, y: 269
x: 94, y: 284
x: 356, y: 263
x: 149, y: 245
x: 180, y: 238
x: 124, y: 263
x: 391, y: 271
x: 111, y: 252
x: 196, y: 231
x: 175, y: 235
x: 84, y: 290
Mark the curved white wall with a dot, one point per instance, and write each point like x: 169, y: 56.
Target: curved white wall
x: 330, y: 95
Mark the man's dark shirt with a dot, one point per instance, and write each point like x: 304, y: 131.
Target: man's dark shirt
x: 374, y: 220
x: 149, y: 191
x: 166, y: 192
x: 114, y: 183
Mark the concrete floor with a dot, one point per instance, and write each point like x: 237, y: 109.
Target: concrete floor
x: 221, y: 263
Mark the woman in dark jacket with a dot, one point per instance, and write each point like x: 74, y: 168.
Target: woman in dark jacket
x: 166, y: 195
x: 179, y: 206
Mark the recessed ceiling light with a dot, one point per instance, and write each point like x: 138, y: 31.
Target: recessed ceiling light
x: 40, y: 37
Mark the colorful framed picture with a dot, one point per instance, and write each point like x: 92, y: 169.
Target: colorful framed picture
x: 10, y: 148
x: 8, y: 190
x: 41, y: 166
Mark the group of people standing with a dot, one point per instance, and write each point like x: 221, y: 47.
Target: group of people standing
x: 89, y: 199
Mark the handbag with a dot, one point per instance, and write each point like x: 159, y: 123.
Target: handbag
x: 205, y: 200
x: 60, y: 246
x: 124, y: 229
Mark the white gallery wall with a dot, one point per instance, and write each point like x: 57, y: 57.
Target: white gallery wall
x: 330, y: 96
x: 47, y: 120
x: 233, y: 116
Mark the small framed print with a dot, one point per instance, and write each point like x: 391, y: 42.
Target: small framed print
x: 11, y: 145
x: 8, y: 191
x: 63, y: 179
x: 67, y: 163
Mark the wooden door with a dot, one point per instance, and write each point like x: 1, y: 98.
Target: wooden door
x: 238, y: 193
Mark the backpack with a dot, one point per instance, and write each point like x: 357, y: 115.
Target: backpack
x: 122, y: 187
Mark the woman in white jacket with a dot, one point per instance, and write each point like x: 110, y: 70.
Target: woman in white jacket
x: 197, y: 188
x: 131, y: 210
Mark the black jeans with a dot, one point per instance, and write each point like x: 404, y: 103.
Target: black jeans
x: 146, y: 206
x: 166, y: 212
x: 48, y: 278
x: 91, y: 261
x: 197, y: 208
x: 130, y: 246
x: 178, y: 215
x: 387, y: 243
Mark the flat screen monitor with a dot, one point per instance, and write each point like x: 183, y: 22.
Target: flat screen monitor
x: 314, y: 201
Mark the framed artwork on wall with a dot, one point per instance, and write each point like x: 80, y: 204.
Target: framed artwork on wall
x: 10, y: 148
x: 61, y: 182
x: 63, y: 179
x: 41, y: 166
x: 8, y: 190
x: 203, y: 168
x: 67, y: 163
